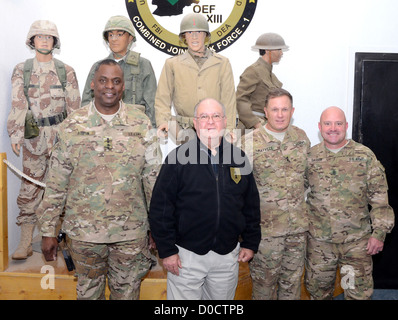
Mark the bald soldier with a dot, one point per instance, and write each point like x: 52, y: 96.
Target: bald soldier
x: 102, y: 172
x: 344, y: 177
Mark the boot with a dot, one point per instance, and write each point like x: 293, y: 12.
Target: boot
x: 24, y: 249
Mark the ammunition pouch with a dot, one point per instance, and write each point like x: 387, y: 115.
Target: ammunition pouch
x: 32, y: 125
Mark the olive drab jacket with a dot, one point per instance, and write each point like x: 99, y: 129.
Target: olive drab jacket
x: 254, y: 85
x: 183, y: 84
x: 139, y: 81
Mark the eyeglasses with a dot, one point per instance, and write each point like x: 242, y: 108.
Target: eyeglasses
x: 205, y: 117
x: 116, y: 36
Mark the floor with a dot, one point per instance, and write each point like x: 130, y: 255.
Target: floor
x: 32, y: 264
x: 379, y: 294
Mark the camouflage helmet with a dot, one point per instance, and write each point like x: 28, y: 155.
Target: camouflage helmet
x: 43, y: 27
x: 119, y: 23
x: 194, y: 22
x: 270, y: 41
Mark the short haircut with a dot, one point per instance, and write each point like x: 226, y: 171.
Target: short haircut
x: 108, y: 62
x: 218, y: 102
x: 278, y: 92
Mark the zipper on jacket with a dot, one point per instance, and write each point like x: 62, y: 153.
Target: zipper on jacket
x: 216, y: 175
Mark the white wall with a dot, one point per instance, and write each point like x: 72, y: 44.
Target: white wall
x: 318, y: 69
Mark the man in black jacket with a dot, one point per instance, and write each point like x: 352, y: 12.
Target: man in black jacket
x: 204, y: 200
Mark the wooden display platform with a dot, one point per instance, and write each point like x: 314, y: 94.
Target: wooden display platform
x: 23, y: 280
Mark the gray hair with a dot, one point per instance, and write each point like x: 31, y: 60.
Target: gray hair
x: 210, y: 99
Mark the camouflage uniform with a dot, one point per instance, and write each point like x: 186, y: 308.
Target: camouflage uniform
x: 47, y: 99
x: 103, y: 173
x: 342, y: 186
x: 254, y: 85
x: 279, y: 170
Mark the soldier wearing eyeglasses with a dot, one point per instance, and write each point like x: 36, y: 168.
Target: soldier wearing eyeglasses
x: 204, y: 200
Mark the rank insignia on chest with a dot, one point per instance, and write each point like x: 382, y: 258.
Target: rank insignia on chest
x: 235, y: 174
x: 108, y: 143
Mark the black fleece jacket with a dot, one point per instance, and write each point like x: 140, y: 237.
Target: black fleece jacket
x: 204, y: 203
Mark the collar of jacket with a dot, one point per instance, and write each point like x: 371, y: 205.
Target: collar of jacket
x: 95, y: 119
x: 268, y: 66
x: 290, y: 134
x: 348, y: 149
x: 188, y: 60
x: 203, y: 148
x: 131, y: 57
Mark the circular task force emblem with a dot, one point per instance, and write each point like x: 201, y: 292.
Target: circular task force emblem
x: 159, y: 22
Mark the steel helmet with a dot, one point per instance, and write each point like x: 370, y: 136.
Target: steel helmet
x: 194, y: 22
x: 270, y: 41
x: 119, y: 23
x: 43, y: 27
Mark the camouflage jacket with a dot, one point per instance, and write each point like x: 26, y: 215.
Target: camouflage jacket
x: 279, y: 169
x: 47, y: 99
x: 139, y: 81
x: 342, y: 186
x: 102, y: 173
x: 254, y: 85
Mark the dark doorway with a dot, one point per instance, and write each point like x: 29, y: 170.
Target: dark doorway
x: 375, y: 124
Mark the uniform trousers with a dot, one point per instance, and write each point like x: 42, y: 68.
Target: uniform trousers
x: 204, y: 277
x: 123, y: 263
x: 277, y: 267
x: 31, y: 194
x: 355, y: 264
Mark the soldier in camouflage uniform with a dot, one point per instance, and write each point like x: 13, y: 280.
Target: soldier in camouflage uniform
x: 344, y: 177
x: 102, y: 171
x: 278, y: 152
x: 38, y: 92
x: 139, y: 77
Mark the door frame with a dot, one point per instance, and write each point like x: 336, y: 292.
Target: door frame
x: 360, y: 59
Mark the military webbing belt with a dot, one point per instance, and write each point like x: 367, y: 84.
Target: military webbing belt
x: 52, y: 121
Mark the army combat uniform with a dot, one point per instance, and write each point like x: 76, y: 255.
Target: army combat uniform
x: 342, y: 186
x: 279, y: 170
x: 254, y: 85
x: 103, y: 173
x: 44, y: 92
x: 48, y: 101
